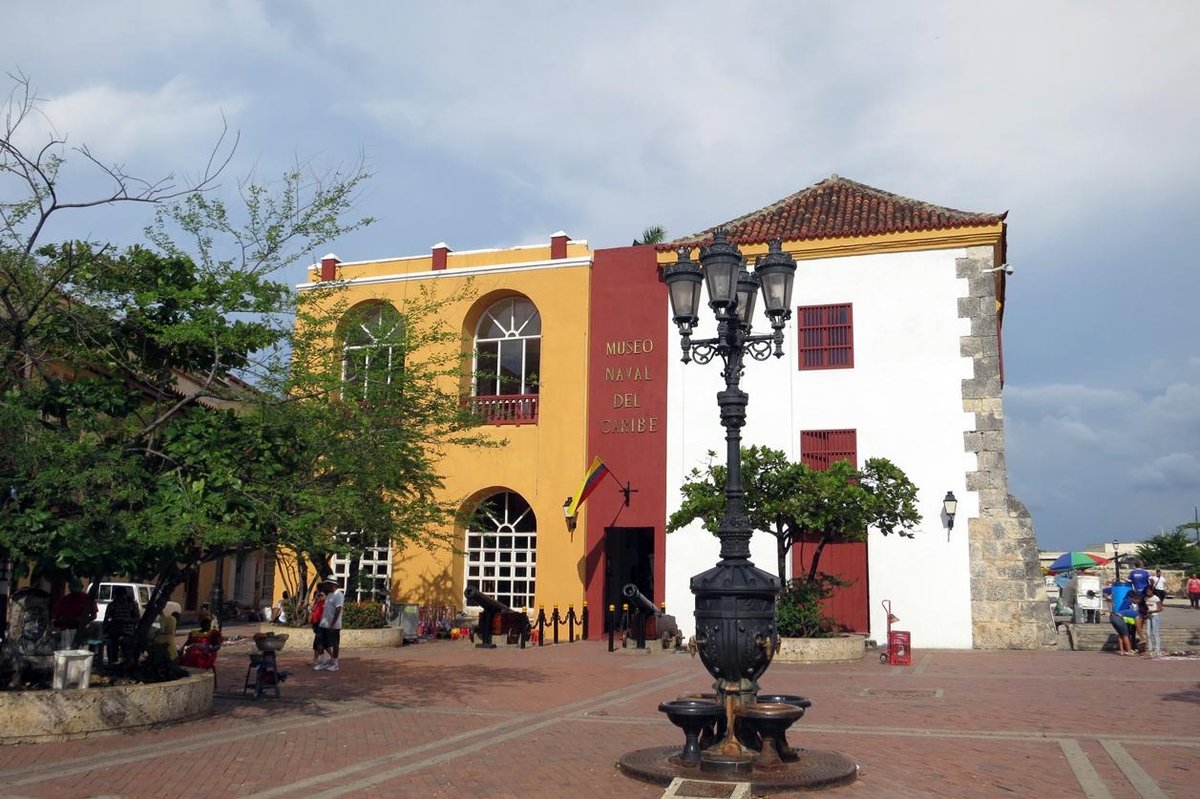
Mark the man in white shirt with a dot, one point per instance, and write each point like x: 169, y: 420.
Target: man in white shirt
x: 331, y: 626
x: 1159, y: 583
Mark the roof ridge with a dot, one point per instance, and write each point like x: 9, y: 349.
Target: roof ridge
x: 838, y: 207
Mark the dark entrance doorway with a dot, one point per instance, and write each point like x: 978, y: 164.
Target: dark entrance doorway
x: 628, y: 558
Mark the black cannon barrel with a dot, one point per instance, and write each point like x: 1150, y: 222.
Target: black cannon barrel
x: 632, y: 593
x: 476, y: 597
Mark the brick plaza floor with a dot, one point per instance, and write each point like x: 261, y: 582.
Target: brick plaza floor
x: 443, y: 719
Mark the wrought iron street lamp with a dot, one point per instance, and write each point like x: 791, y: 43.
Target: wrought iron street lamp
x: 1117, y: 559
x: 735, y: 601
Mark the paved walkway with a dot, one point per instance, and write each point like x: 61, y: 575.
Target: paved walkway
x: 442, y: 719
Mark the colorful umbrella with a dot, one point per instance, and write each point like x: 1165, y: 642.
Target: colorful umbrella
x: 1076, y: 560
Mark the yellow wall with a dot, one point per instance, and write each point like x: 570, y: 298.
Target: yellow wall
x: 542, y: 462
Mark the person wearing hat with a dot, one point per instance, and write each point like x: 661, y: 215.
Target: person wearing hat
x: 331, y: 626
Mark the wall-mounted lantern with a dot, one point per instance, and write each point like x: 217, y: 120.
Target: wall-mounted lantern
x: 567, y: 515
x: 949, y: 507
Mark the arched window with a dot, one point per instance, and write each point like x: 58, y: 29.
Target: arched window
x: 508, y: 357
x: 501, y: 550
x: 371, y: 353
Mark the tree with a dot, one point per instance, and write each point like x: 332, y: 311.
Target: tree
x: 789, y: 500
x: 1193, y: 526
x: 655, y: 234
x: 369, y: 447
x: 1171, y: 550
x: 130, y: 440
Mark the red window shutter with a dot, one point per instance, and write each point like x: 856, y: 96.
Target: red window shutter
x: 821, y: 448
x: 826, y: 336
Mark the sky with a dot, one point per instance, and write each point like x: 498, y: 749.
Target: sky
x: 496, y: 124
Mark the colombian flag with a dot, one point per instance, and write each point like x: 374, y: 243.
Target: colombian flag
x: 591, y: 480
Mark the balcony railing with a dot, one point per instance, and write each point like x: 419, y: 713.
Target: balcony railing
x: 505, y: 409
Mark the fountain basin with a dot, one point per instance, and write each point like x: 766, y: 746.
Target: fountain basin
x: 692, y: 716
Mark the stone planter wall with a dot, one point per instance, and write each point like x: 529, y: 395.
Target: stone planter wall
x: 301, y: 638
x: 840, y: 649
x: 33, y: 716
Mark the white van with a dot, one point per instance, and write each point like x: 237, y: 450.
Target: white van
x: 103, y: 594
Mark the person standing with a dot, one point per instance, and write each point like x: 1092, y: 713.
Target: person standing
x: 1153, y: 611
x: 1121, y: 615
x: 120, y: 621
x: 1193, y: 591
x: 331, y: 626
x: 318, y: 610
x: 75, y: 611
x: 1159, y: 584
x: 1139, y: 579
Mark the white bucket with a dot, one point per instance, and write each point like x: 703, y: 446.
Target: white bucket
x: 72, y: 668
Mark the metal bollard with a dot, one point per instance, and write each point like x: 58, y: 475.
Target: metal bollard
x: 541, y: 623
x: 570, y: 624
x: 583, y: 621
x: 554, y: 620
x: 640, y: 626
x: 612, y: 625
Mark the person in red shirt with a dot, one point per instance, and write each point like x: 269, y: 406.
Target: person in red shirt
x: 1193, y: 591
x: 318, y: 610
x: 75, y: 610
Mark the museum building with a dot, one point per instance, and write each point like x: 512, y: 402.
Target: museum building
x: 893, y: 350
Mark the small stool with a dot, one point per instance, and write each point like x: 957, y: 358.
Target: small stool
x: 262, y: 673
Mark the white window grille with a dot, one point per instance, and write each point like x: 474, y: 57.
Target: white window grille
x: 501, y: 550
x: 366, y: 574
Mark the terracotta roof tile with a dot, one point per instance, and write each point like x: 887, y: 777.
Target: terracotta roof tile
x: 838, y: 208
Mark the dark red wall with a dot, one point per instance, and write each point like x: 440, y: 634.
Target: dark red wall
x: 627, y: 408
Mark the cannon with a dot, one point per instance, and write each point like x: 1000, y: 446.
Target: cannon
x: 491, y: 609
x: 665, y: 625
x: 644, y: 602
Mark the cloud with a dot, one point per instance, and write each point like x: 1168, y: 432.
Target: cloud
x: 1091, y: 460
x: 122, y: 124
x: 1174, y: 471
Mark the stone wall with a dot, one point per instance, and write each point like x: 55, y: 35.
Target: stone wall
x: 1009, y: 606
x: 33, y: 716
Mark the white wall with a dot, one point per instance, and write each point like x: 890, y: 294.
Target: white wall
x: 904, y: 398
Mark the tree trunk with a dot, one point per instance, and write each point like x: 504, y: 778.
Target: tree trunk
x: 816, y: 558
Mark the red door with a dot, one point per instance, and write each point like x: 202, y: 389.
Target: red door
x: 847, y: 560
x: 848, y: 606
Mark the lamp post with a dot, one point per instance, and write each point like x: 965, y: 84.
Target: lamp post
x: 735, y: 601
x: 1117, y: 560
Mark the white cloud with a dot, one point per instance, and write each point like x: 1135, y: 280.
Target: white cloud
x: 121, y: 124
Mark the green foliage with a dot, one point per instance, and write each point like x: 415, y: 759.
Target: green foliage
x: 798, y: 611
x: 789, y: 500
x: 363, y: 616
x: 166, y: 405
x: 655, y: 234
x: 1174, y: 550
